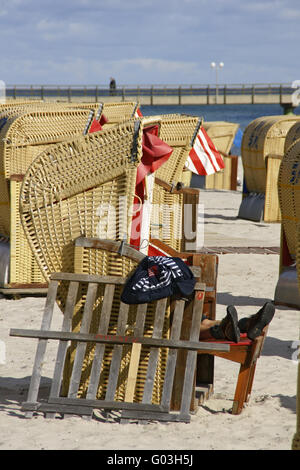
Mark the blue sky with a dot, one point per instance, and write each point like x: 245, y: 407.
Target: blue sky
x: 149, y: 42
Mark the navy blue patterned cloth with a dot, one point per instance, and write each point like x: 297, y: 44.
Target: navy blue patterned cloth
x: 157, y: 277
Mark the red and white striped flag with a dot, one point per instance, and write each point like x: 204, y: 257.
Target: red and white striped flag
x: 138, y: 113
x: 204, y: 158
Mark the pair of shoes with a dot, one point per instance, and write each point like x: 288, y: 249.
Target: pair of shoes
x: 254, y: 325
x: 228, y: 328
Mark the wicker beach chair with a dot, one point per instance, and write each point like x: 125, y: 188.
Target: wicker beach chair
x: 222, y: 134
x: 286, y: 291
x: 292, y: 135
x: 263, y: 146
x: 85, y: 187
x: 24, y: 134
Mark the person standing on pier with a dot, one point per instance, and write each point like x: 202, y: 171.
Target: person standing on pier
x: 112, y: 86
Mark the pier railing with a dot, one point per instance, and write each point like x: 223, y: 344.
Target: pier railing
x: 159, y: 94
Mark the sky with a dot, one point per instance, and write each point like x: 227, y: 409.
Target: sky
x: 144, y: 42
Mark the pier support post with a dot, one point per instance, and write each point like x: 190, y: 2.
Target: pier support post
x: 288, y: 108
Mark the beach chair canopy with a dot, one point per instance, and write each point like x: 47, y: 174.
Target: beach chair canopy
x: 263, y: 137
x: 289, y: 197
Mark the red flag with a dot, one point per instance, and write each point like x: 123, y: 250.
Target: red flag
x: 96, y: 125
x: 204, y: 158
x: 138, y: 113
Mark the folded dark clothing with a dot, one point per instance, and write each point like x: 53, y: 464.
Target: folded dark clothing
x: 157, y: 277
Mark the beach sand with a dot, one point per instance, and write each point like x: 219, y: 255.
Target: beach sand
x: 268, y: 421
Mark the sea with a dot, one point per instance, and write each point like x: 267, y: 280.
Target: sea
x: 242, y: 114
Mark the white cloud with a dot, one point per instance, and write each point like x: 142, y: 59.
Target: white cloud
x: 291, y: 13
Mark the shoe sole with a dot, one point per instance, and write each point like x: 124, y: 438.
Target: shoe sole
x: 266, y: 317
x: 231, y: 311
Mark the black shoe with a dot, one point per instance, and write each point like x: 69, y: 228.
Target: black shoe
x: 254, y: 325
x: 228, y: 328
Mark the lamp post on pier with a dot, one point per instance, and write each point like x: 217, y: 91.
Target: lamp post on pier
x: 217, y: 67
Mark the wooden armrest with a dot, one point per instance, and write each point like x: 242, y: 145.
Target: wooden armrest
x: 274, y: 156
x: 228, y: 155
x: 178, y: 189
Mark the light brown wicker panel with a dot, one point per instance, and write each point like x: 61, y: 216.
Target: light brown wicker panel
x: 95, y: 261
x: 166, y: 217
x: 289, y: 196
x: 262, y: 137
x: 177, y: 131
x: 292, y: 135
x: 222, y: 134
x: 60, y: 199
x: 119, y: 112
x: 67, y: 184
x: 24, y: 269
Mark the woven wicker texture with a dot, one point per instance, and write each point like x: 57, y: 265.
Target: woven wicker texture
x: 25, y: 135
x: 262, y: 137
x: 90, y: 350
x: 119, y: 112
x: 166, y: 217
x: 178, y: 132
x: 292, y: 135
x: 61, y: 198
x: 272, y: 211
x: 23, y: 265
x: 59, y: 115
x: 222, y: 134
x: 289, y: 193
x: 186, y: 177
x: 221, y: 179
x: 67, y: 188
x: 18, y: 108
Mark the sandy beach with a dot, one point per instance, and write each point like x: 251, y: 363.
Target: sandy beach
x: 245, y: 280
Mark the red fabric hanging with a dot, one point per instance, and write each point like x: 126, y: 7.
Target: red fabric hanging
x: 97, y: 125
x: 155, y: 153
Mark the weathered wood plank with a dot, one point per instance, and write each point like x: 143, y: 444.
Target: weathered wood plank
x: 111, y: 339
x: 63, y: 345
x: 42, y: 344
x: 100, y: 348
x: 113, y: 405
x: 135, y: 353
x: 110, y: 245
x: 190, y: 367
x: 150, y: 416
x: 172, y: 356
x: 52, y: 409
x: 91, y: 278
x: 81, y: 346
x: 117, y: 353
x: 153, y: 357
